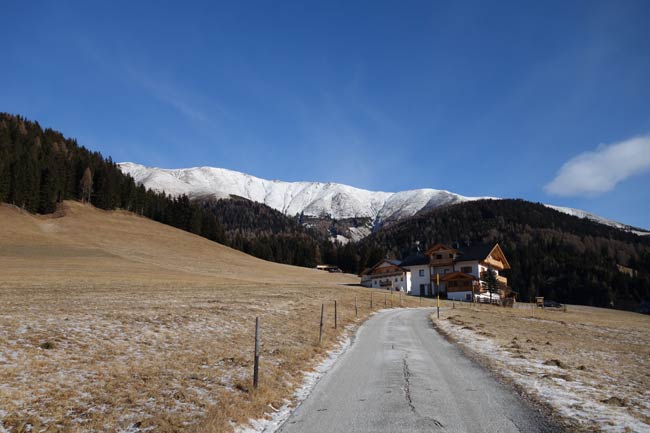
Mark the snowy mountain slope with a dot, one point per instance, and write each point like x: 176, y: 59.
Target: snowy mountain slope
x: 311, y: 198
x: 317, y: 199
x: 584, y: 214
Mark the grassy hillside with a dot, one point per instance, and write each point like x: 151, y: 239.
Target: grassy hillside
x: 81, y: 245
x: 112, y: 322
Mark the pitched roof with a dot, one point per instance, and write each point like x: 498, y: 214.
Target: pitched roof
x: 391, y: 261
x: 438, y: 247
x: 415, y: 260
x: 475, y: 252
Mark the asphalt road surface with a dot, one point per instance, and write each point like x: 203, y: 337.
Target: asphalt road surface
x: 400, y: 375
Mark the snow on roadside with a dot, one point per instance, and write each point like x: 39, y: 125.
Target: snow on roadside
x: 3, y: 414
x: 276, y: 418
x: 573, y: 399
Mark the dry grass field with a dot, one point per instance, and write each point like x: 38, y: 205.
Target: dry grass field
x: 590, y: 365
x: 112, y: 322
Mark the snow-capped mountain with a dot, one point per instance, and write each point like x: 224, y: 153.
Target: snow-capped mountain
x: 315, y: 199
x: 310, y: 198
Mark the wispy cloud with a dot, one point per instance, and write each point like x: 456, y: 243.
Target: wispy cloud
x: 166, y: 91
x: 599, y: 171
x: 170, y: 95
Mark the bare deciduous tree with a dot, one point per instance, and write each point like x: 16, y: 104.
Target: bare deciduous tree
x: 86, y: 185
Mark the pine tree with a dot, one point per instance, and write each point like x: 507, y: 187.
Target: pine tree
x: 489, y: 277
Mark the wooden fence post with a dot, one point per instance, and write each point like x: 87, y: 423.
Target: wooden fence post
x: 400, y: 299
x: 256, y: 361
x: 335, y: 315
x: 320, y: 331
x: 356, y: 309
x: 385, y: 300
x: 371, y: 300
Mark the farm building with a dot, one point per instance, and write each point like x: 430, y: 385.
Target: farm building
x: 387, y: 274
x: 454, y: 272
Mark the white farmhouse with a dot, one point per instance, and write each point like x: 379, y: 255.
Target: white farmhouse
x: 453, y: 272
x: 387, y: 274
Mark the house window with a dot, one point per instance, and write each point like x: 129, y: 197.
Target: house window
x: 466, y: 269
x: 438, y: 256
x: 451, y: 256
x: 422, y: 272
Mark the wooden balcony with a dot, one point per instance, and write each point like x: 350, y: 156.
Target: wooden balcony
x: 441, y: 262
x: 496, y: 264
x: 387, y: 274
x: 500, y: 279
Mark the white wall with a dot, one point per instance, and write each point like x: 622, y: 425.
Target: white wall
x: 473, y: 264
x: 460, y: 296
x: 401, y: 282
x: 416, y: 280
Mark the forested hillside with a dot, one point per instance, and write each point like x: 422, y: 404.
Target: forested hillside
x: 266, y: 233
x: 552, y: 254
x: 39, y: 168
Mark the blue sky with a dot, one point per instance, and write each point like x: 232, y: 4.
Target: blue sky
x: 509, y: 99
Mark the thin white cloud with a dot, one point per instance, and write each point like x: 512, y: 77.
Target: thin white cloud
x: 167, y: 94
x: 599, y: 171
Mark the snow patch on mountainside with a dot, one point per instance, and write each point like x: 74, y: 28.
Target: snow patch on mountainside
x: 588, y: 215
x: 317, y: 199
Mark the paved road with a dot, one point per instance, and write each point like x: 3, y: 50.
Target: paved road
x: 400, y: 375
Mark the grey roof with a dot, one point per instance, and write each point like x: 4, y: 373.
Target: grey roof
x: 475, y: 251
x: 415, y: 260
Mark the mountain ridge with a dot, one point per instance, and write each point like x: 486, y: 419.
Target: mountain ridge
x: 315, y: 199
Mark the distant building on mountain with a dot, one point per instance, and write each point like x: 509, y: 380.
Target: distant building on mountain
x: 456, y: 272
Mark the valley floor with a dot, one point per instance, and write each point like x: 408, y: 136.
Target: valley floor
x: 590, y: 365
x: 112, y: 322
x: 159, y: 359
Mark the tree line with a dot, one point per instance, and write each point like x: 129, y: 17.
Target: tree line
x: 559, y: 256
x: 39, y: 168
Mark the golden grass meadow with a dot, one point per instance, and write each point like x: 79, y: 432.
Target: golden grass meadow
x: 112, y: 322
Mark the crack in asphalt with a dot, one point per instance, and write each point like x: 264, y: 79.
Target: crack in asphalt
x: 407, y: 393
x: 407, y: 382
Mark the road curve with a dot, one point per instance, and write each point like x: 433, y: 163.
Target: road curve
x: 400, y: 375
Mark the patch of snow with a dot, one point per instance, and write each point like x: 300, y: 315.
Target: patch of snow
x: 358, y: 233
x: 341, y: 239
x: 596, y: 218
x: 3, y: 414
